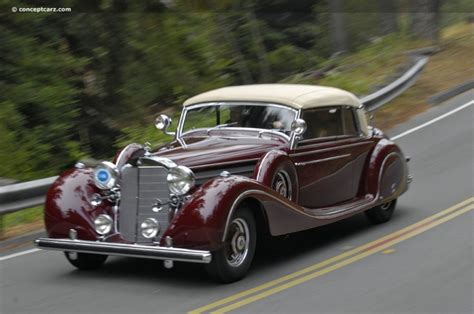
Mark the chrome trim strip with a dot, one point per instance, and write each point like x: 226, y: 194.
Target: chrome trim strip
x: 293, y: 137
x: 123, y: 249
x: 235, y: 162
x: 249, y: 102
x: 322, y: 139
x: 160, y: 161
x: 321, y: 160
x: 182, y: 142
x: 327, y: 149
x: 261, y: 164
x: 180, y: 123
x: 260, y: 131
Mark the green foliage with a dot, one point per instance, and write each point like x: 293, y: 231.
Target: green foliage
x: 455, y: 11
x: 38, y: 101
x: 372, y: 65
x: 146, y: 132
x: 85, y: 83
x: 22, y: 217
x: 287, y: 59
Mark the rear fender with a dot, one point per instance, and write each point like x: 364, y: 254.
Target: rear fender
x: 387, y: 173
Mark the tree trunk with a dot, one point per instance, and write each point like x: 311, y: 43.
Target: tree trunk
x: 388, y: 17
x: 425, y: 19
x: 337, y: 28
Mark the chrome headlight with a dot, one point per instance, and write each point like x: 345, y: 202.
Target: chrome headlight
x: 180, y: 180
x: 150, y: 228
x: 105, y: 175
x: 103, y: 224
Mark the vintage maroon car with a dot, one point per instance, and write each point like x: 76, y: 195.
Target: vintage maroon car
x: 246, y: 161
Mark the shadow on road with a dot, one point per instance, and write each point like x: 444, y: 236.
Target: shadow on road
x: 271, y: 254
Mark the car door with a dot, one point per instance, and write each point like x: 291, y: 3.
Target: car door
x: 326, y: 156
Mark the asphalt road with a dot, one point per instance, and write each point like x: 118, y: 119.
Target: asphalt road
x: 427, y: 270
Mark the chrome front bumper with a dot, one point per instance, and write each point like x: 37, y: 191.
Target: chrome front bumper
x: 123, y: 249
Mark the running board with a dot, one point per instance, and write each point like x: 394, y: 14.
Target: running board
x: 334, y: 211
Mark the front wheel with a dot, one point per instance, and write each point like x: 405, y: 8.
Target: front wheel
x: 381, y: 213
x: 233, y: 260
x: 85, y: 261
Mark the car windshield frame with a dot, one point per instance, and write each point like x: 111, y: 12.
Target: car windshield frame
x: 181, y: 124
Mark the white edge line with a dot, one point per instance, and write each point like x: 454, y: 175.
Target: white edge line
x: 4, y: 258
x: 433, y: 121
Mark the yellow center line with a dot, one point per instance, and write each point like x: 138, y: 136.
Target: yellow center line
x: 338, y: 265
x: 328, y: 261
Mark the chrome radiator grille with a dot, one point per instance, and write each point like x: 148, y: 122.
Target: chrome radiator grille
x: 140, y: 189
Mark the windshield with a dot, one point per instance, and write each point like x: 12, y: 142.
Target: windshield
x: 239, y: 115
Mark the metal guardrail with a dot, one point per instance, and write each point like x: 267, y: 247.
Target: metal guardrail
x: 19, y: 196
x: 392, y: 90
x: 447, y: 94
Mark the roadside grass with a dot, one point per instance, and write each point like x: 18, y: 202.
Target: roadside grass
x: 359, y: 72
x: 451, y: 66
x: 363, y: 71
x: 21, y: 222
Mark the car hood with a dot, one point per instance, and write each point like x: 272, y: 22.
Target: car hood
x: 213, y: 150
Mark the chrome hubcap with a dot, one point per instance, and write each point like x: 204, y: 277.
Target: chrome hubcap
x: 237, y: 242
x: 281, y: 184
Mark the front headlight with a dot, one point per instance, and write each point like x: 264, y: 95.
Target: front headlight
x: 103, y: 224
x: 180, y: 180
x: 150, y: 228
x: 105, y: 175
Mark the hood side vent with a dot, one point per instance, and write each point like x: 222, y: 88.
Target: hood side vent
x: 205, y: 175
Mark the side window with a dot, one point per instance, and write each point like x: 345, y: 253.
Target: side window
x: 349, y: 122
x: 323, y: 122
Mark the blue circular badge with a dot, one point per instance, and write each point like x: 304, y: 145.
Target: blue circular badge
x: 102, y: 176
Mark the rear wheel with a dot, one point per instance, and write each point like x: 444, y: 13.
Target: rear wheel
x: 381, y: 213
x: 233, y: 260
x: 85, y: 261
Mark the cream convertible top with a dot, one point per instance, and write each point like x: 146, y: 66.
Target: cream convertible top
x: 293, y: 95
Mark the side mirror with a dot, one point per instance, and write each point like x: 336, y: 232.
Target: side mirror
x: 298, y: 127
x: 162, y: 123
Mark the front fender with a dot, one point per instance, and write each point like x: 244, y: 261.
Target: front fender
x: 202, y: 221
x: 68, y: 205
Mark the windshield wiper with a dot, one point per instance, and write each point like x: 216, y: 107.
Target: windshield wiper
x: 219, y: 126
